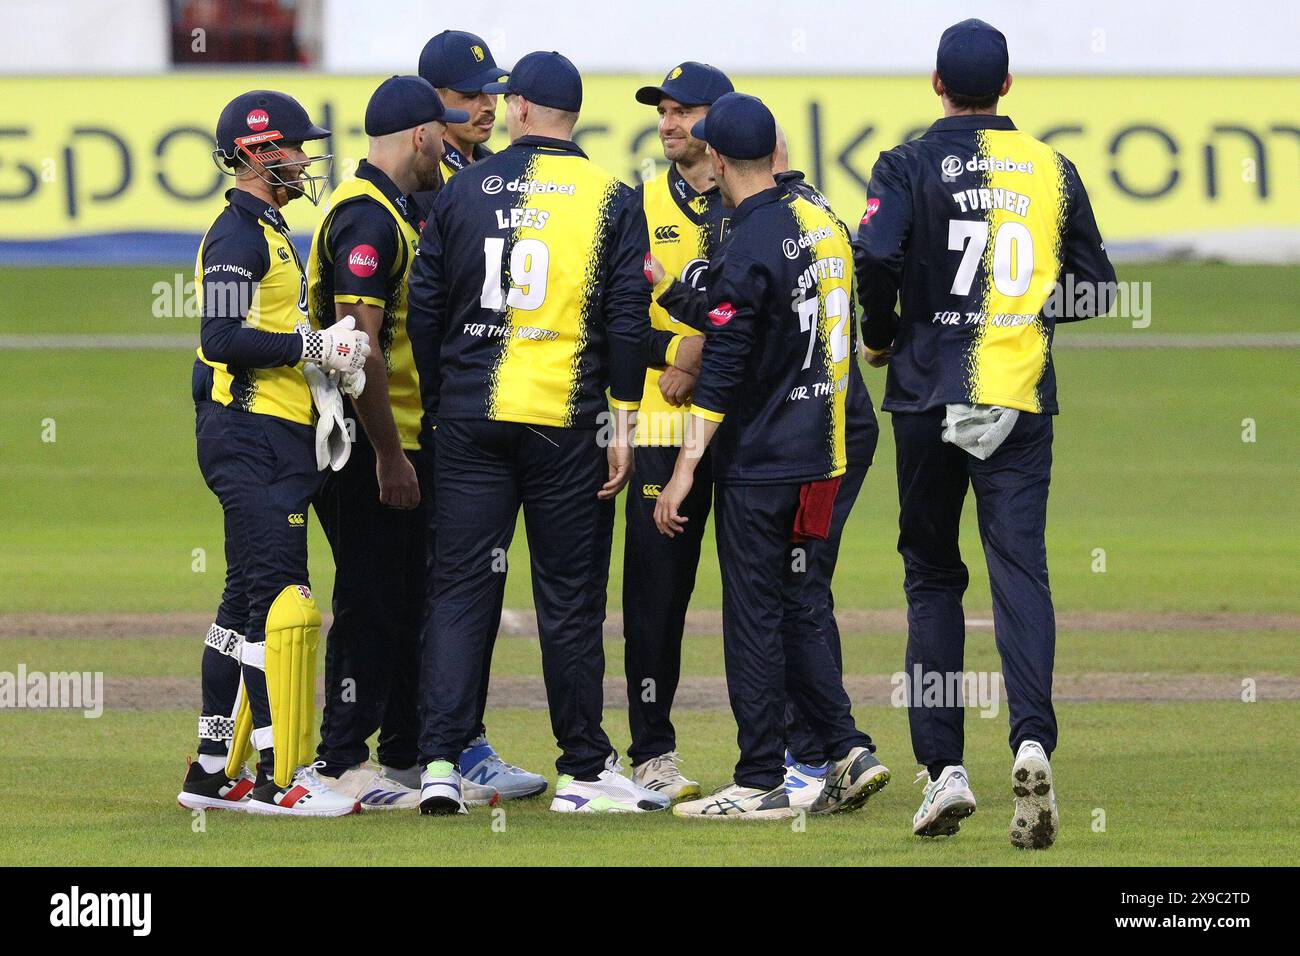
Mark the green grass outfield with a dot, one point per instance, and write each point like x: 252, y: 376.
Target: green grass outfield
x: 1177, y: 784
x: 1149, y: 466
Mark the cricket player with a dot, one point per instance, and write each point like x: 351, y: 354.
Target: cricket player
x: 812, y: 607
x: 970, y: 228
x: 372, y: 510
x: 684, y: 220
x: 257, y: 449
x: 459, y: 65
x: 772, y: 390
x: 528, y: 301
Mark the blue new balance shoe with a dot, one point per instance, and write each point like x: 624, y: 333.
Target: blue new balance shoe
x: 480, y: 764
x: 803, y: 782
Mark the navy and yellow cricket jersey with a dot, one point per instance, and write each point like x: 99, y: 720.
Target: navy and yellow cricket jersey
x: 252, y: 293
x: 453, y: 160
x: 527, y: 295
x: 683, y: 227
x: 971, y: 227
x: 781, y: 340
x: 361, y: 253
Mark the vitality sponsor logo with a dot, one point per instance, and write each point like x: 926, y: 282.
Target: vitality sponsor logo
x: 529, y: 187
x: 257, y: 120
x: 873, y: 207
x: 723, y: 313
x: 363, y: 261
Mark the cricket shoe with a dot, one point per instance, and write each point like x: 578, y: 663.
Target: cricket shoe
x: 662, y: 775
x: 611, y: 792
x: 803, y: 782
x: 734, y: 802
x: 1035, y: 822
x: 372, y: 789
x: 481, y: 765
x: 850, y: 782
x: 214, y: 791
x: 945, y: 803
x: 306, y: 796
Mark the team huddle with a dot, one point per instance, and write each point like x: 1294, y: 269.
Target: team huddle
x: 474, y: 334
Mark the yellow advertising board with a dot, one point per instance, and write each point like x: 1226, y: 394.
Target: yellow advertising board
x: 131, y: 155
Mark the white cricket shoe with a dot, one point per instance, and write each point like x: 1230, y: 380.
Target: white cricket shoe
x: 440, y: 790
x: 372, y: 789
x: 611, y: 792
x: 483, y: 766
x: 307, y: 795
x: 1035, y: 822
x: 850, y: 781
x: 734, y: 802
x: 803, y: 782
x: 945, y: 803
x: 662, y: 775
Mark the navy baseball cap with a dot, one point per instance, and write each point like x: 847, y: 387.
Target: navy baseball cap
x: 405, y: 102
x: 738, y: 126
x: 460, y: 61
x: 972, y: 58
x: 547, y: 79
x: 264, y: 112
x: 691, y: 84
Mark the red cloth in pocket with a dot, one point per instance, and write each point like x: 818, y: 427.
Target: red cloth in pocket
x: 816, y: 502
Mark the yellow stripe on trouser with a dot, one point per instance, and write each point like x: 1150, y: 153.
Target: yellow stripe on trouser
x: 292, y: 645
x: 1009, y: 357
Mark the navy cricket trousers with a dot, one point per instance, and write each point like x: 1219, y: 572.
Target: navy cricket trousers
x: 372, y: 652
x: 767, y: 662
x: 1011, y: 504
x: 658, y: 578
x: 810, y: 610
x: 263, y: 471
x: 485, y: 472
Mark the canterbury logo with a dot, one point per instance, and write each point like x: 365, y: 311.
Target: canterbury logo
x: 667, y: 234
x: 297, y: 520
x: 651, y: 491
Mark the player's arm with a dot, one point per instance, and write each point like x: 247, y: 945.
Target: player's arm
x: 1083, y: 253
x: 232, y: 266
x: 736, y: 287
x: 878, y: 254
x: 355, y: 232
x: 426, y: 303
x: 627, y: 306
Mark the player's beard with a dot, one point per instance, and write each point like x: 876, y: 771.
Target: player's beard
x: 426, y: 172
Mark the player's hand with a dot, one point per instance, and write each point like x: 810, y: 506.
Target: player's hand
x: 874, y: 359
x: 668, y: 519
x: 340, y: 348
x: 689, y: 353
x: 399, y: 486
x: 676, y: 386
x: 620, y: 470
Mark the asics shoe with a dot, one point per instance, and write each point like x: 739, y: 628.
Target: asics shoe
x: 803, y: 782
x: 734, y: 802
x: 850, y: 781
